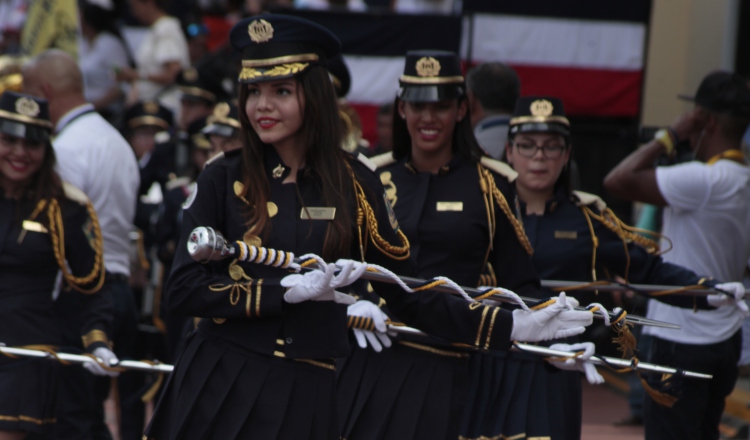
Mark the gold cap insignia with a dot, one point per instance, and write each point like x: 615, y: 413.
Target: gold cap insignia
x: 190, y: 74
x: 151, y: 107
x: 260, y: 31
x: 27, y: 107
x: 428, y: 66
x: 221, y: 110
x: 541, y: 107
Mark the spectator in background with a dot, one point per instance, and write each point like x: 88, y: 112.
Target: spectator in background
x: 707, y: 215
x: 101, y: 53
x: 493, y: 89
x: 163, y: 52
x: 223, y: 129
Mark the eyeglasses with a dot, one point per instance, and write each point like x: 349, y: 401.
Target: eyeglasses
x: 549, y: 151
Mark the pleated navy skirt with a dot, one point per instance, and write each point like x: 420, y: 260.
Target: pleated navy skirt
x: 220, y: 391
x: 28, y: 394
x: 402, y: 393
x: 513, y: 395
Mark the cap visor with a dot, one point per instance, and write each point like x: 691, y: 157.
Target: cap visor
x: 430, y: 93
x: 24, y: 131
x: 219, y: 130
x: 540, y: 127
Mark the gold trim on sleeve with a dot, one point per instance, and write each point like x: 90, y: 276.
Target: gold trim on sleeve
x: 481, y: 324
x: 492, y: 325
x: 257, y: 297
x: 94, y: 336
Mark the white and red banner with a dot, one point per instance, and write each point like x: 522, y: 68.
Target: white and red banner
x: 589, y: 53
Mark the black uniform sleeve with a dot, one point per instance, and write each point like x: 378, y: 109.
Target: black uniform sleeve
x: 85, y: 256
x: 206, y: 290
x: 510, y: 260
x: 437, y: 313
x: 167, y: 233
x: 647, y: 268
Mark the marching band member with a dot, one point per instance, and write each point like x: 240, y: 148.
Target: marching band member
x: 452, y: 205
x: 47, y: 228
x: 260, y: 364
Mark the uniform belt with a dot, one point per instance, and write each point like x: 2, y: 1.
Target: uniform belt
x: 328, y: 364
x: 115, y: 278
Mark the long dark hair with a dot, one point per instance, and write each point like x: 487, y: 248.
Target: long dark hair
x: 464, y: 143
x: 326, y: 160
x: 45, y: 183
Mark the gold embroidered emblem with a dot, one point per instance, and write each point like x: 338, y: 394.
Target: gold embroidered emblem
x: 27, y: 107
x: 190, y: 74
x: 235, y: 271
x: 260, y: 31
x: 428, y: 66
x: 273, y: 209
x: 151, y: 107
x: 286, y: 69
x: 278, y: 171
x: 390, y: 187
x: 541, y: 107
x: 391, y: 215
x: 221, y: 110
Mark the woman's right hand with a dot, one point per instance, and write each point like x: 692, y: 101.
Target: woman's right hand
x: 316, y: 285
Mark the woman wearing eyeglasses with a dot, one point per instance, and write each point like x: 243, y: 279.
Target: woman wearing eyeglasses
x: 575, y: 237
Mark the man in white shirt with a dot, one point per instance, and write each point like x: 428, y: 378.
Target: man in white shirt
x: 93, y: 156
x: 492, y: 90
x: 707, y: 216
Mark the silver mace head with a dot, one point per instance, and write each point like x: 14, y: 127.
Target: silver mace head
x: 205, y: 244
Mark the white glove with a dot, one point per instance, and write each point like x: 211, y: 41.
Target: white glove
x: 108, y: 358
x: 350, y: 272
x: 315, y: 285
x: 377, y: 338
x: 734, y: 297
x: 579, y: 363
x: 555, y: 321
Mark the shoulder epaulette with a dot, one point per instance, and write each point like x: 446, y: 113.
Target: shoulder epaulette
x: 499, y: 167
x: 214, y: 159
x: 366, y: 162
x: 162, y: 137
x: 177, y: 182
x: 383, y: 160
x: 590, y: 199
x: 75, y: 194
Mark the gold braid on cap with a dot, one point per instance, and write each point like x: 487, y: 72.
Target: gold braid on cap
x: 57, y: 234
x: 365, y: 213
x: 487, y: 183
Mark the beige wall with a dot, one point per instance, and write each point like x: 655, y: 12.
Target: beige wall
x: 688, y: 39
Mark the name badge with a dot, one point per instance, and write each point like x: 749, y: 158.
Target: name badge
x: 450, y: 206
x: 566, y: 235
x: 28, y: 225
x: 318, y: 213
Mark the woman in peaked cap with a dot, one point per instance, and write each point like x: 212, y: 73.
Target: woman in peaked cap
x: 260, y: 364
x: 47, y: 227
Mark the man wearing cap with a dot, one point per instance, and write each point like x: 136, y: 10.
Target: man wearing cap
x: 707, y: 216
x: 94, y: 157
x: 492, y: 90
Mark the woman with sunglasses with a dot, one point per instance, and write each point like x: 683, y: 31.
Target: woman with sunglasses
x: 50, y: 245
x: 575, y: 237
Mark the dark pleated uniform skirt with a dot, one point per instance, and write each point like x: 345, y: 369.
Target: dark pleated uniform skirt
x: 28, y: 393
x: 517, y: 396
x: 401, y: 393
x: 220, y: 391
